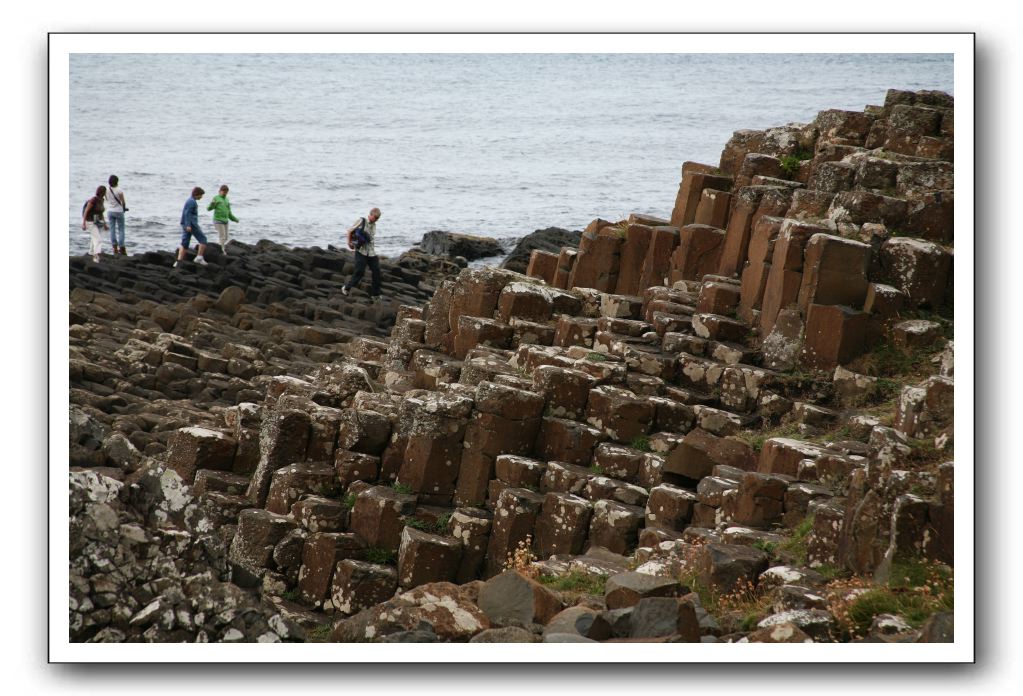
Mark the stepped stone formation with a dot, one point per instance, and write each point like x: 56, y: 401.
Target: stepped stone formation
x: 662, y: 409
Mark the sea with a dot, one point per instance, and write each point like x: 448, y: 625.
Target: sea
x: 488, y: 144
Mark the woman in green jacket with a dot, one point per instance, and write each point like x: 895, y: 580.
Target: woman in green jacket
x: 221, y: 208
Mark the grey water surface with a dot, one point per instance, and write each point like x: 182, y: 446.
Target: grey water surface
x: 489, y: 144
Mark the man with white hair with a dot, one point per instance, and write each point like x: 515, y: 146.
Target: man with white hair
x: 360, y: 238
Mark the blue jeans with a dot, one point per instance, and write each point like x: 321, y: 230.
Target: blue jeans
x: 186, y: 237
x: 116, y: 221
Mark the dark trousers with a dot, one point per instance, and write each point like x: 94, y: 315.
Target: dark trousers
x: 360, y: 269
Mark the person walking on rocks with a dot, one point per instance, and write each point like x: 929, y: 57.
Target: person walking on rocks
x: 360, y: 238
x: 92, y: 219
x: 190, y: 226
x: 221, y: 208
x: 116, y: 209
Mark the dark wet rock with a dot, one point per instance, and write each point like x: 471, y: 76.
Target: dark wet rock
x: 452, y: 244
x: 550, y: 239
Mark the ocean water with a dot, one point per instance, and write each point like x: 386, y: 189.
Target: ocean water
x: 490, y: 144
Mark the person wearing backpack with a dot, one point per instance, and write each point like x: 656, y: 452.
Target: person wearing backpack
x: 190, y: 226
x: 92, y: 219
x: 116, y: 209
x: 221, y: 208
x: 360, y: 238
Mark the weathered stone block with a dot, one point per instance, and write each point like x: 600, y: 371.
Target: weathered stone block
x: 596, y: 265
x: 318, y: 514
x: 699, y: 452
x: 358, y: 585
x: 321, y: 553
x: 713, y: 208
x: 512, y: 599
x: 834, y: 335
x: 781, y: 455
x: 258, y: 533
x: 471, y: 527
x: 520, y: 472
x: 283, y: 437
x: 567, y: 441
x: 191, y: 449
x: 728, y: 567
x: 619, y: 413
x: 424, y: 557
x: 379, y: 516
x: 563, y: 524
x: 669, y: 507
x: 514, y: 519
x: 627, y: 589
x: 565, y: 478
x: 834, y: 272
x: 574, y: 331
x: 926, y: 410
x: 290, y: 483
x: 354, y: 466
x: 698, y: 253
x: 920, y: 269
x: 657, y: 264
x: 615, y: 526
x: 542, y: 265
x: 364, y: 431
x: 691, y: 190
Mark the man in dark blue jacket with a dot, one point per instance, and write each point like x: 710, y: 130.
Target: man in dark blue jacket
x: 190, y: 226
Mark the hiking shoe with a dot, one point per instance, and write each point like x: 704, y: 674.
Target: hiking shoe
x: 95, y: 258
x: 201, y: 261
x: 344, y: 291
x: 175, y: 265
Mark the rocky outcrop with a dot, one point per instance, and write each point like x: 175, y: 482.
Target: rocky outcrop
x: 549, y: 240
x: 452, y: 244
x: 610, y: 448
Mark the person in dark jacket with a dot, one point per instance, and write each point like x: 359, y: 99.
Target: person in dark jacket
x: 190, y: 226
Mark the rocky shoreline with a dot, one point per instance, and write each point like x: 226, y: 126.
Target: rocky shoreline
x: 734, y: 425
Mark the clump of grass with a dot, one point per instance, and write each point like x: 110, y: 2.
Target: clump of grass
x: 767, y: 547
x: 641, y: 443
x: 916, y: 590
x: 790, y: 163
x: 401, y: 488
x: 349, y: 501
x: 441, y: 525
x: 739, y: 609
x: 597, y: 469
x: 375, y: 554
x: 290, y: 595
x: 793, y: 549
x: 596, y: 357
x: 756, y: 438
x: 418, y: 524
x: 320, y: 634
x: 575, y: 581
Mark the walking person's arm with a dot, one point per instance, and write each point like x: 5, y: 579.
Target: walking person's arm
x: 230, y: 215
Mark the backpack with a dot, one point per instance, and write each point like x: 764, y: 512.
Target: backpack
x: 359, y: 234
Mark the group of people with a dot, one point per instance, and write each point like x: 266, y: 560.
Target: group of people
x: 105, y: 211
x: 222, y: 216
